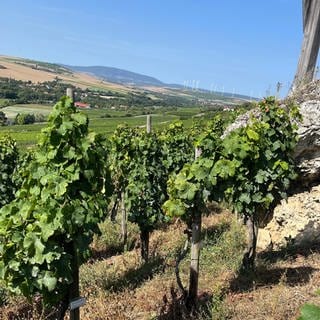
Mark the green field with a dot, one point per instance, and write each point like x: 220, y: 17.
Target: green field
x: 13, y: 110
x: 108, y: 125
x: 102, y: 121
x: 27, y: 135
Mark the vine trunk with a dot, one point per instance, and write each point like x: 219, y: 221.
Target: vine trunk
x: 250, y: 252
x: 194, y: 264
x: 144, y: 237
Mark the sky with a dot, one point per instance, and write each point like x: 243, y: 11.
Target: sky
x: 238, y: 46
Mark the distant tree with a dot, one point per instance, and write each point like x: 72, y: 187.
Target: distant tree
x: 9, y: 94
x: 3, y: 119
x: 24, y: 118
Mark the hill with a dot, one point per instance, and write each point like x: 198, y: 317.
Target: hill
x: 118, y: 75
x: 115, y: 82
x: 126, y: 77
x: 37, y: 71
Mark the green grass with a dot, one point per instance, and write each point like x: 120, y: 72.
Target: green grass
x: 112, y: 88
x: 185, y: 112
x: 25, y: 135
x: 3, y: 101
x: 109, y: 242
x: 100, y: 113
x: 108, y: 125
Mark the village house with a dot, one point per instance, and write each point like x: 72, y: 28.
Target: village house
x: 82, y: 105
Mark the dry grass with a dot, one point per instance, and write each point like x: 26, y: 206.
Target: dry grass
x: 278, y: 289
x: 121, y: 287
x: 26, y: 73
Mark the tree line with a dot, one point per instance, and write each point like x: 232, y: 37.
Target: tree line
x: 23, y: 92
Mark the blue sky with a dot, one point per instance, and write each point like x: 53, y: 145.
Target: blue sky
x: 243, y: 46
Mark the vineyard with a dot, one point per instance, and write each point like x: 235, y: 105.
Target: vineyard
x: 80, y: 199
x: 103, y: 121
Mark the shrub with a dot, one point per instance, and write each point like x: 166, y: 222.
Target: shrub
x: 25, y: 118
x: 3, y: 119
x: 39, y: 117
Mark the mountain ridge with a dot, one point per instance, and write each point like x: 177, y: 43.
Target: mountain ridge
x: 126, y: 77
x: 117, y: 75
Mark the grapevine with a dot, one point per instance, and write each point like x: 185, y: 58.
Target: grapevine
x: 45, y: 232
x: 251, y: 169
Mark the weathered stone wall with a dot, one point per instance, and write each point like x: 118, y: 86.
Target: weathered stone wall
x: 295, y: 222
x: 307, y: 151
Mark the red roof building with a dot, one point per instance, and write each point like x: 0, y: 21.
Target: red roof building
x: 82, y: 105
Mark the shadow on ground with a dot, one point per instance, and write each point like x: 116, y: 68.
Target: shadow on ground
x: 132, y: 278
x: 267, y: 277
x: 288, y: 253
x: 174, y: 307
x: 264, y: 275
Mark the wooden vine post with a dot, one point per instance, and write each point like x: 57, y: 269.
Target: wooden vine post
x: 74, y: 291
x: 124, y: 224
x: 144, y: 234
x: 195, y: 253
x: 310, y: 45
x: 148, y: 123
x: 70, y: 94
